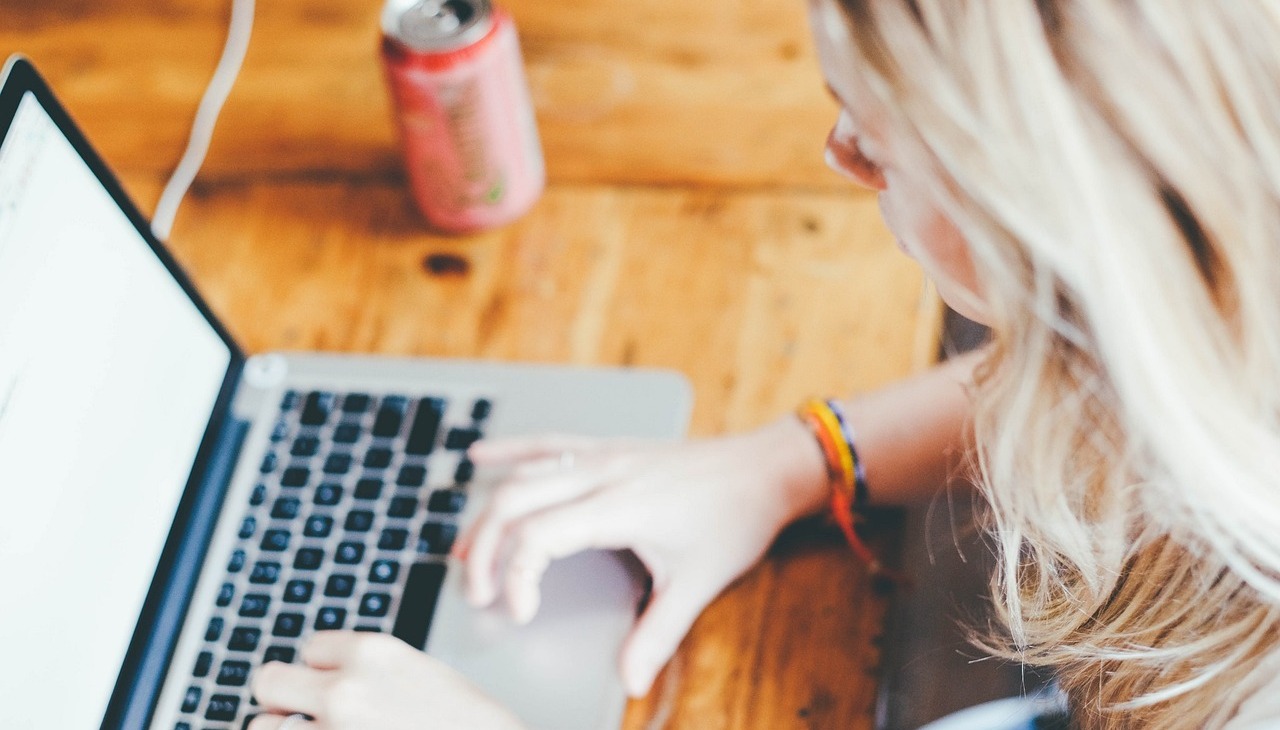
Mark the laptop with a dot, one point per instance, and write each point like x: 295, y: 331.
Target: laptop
x: 175, y: 512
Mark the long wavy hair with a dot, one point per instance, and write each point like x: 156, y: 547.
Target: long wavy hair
x: 1114, y: 166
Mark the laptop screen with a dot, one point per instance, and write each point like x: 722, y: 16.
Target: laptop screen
x: 108, y: 376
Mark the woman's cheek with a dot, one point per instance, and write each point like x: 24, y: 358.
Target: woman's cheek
x: 929, y: 237
x: 902, y: 234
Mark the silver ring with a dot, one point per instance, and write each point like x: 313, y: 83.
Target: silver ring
x: 292, y: 720
x: 566, y: 461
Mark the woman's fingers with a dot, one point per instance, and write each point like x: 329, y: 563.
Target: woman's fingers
x: 522, y: 448
x: 550, y: 535
x: 289, y: 688
x: 481, y: 546
x: 331, y: 649
x: 660, y: 630
x: 275, y: 722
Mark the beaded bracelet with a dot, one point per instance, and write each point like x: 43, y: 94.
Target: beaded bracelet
x: 845, y: 472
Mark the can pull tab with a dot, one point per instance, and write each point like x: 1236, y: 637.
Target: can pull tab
x: 436, y: 18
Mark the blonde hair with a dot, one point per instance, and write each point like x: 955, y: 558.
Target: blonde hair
x: 1114, y: 166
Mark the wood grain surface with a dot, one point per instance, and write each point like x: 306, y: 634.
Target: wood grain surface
x: 689, y: 224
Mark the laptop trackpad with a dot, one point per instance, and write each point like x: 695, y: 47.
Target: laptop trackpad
x: 560, y: 671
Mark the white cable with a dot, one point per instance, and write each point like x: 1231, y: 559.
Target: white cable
x: 224, y: 77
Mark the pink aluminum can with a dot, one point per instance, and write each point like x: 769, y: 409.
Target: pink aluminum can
x: 470, y: 141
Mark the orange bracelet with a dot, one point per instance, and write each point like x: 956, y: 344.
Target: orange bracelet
x: 844, y: 472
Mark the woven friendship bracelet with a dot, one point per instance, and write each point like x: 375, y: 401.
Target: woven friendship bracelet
x: 861, y: 493
x: 847, y: 477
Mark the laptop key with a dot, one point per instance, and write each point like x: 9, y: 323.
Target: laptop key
x: 255, y: 605
x: 356, y: 403
x: 305, y: 446
x: 418, y: 603
x: 359, y: 520
x: 377, y: 458
x: 328, y: 495
x: 264, y: 573
x: 289, y: 401
x: 464, y: 473
x: 244, y: 639
x: 214, y: 631
x: 346, y: 433
x: 191, y: 700
x: 182, y: 726
x: 223, y: 708
x: 258, y: 495
x: 204, y: 662
x: 275, y: 541
x: 280, y: 431
x: 236, y: 564
x: 279, y: 653
x: 393, y: 538
x: 389, y: 420
x: 368, y: 489
x: 460, y: 439
x: 375, y: 604
x: 402, y: 507
x: 295, y: 476
x: 318, y: 526
x: 248, y: 527
x: 480, y: 409
x: 340, y: 585
x: 437, y: 538
x: 384, y: 571
x: 289, y: 626
x: 233, y: 673
x: 285, y: 508
x: 330, y: 618
x: 426, y: 427
x: 447, y: 501
x: 298, y: 591
x: 316, y: 408
x: 412, y: 475
x: 225, y: 595
x: 308, y: 559
x: 269, y: 462
x: 348, y: 553
x: 337, y: 464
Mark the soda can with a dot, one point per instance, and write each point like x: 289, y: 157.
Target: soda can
x: 470, y: 140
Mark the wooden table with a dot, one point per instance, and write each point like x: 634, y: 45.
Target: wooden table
x: 689, y: 224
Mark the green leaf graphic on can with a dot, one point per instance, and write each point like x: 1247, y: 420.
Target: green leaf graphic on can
x: 495, y: 193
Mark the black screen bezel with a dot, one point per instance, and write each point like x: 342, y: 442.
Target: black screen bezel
x: 148, y: 655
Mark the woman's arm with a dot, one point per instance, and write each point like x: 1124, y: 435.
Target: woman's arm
x: 697, y: 513
x: 912, y: 437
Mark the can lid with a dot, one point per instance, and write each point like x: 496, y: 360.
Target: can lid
x: 437, y: 25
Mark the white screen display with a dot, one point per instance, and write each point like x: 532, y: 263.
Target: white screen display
x: 108, y: 377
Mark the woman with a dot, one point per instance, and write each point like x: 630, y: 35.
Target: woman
x: 1098, y: 181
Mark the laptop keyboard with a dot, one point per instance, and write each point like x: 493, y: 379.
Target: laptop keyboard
x: 340, y: 532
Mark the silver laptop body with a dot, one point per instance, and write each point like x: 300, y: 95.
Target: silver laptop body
x: 283, y: 462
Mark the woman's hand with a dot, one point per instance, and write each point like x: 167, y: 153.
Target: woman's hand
x: 698, y: 514
x: 361, y: 681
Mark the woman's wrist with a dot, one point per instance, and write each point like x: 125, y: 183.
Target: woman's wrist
x: 797, y: 465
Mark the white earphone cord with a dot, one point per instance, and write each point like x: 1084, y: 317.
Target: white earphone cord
x: 224, y: 77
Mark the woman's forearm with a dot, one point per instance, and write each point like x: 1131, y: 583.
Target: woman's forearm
x: 912, y: 436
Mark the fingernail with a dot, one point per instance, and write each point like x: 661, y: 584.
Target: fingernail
x: 525, y: 608
x: 637, y: 684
